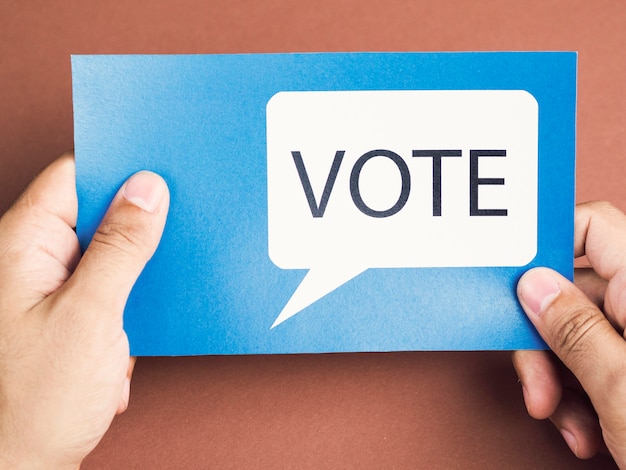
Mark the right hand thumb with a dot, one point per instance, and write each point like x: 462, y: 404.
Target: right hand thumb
x: 577, y: 331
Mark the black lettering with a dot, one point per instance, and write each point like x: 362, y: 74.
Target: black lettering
x: 317, y: 210
x: 356, y: 192
x: 436, y: 156
x: 475, y: 181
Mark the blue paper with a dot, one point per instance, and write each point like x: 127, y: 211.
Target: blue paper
x: 335, y: 202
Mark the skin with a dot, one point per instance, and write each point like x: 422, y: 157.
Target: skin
x: 64, y: 358
x: 581, y: 385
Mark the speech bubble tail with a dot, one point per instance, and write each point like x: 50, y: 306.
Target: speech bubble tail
x: 316, y: 284
x: 284, y: 315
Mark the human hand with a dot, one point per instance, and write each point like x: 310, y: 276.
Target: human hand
x: 584, y: 325
x: 64, y: 357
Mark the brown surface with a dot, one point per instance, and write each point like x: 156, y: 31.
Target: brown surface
x: 406, y: 410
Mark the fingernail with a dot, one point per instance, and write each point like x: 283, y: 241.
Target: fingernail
x: 571, y: 441
x: 537, y: 289
x: 145, y: 190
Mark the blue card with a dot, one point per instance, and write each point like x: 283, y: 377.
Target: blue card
x: 335, y: 202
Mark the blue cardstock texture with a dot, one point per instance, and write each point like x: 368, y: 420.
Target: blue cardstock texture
x: 211, y: 288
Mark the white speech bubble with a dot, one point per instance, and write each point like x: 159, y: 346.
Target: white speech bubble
x: 398, y: 179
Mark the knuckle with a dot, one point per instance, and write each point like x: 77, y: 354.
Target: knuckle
x: 576, y: 332
x: 604, y: 209
x: 121, y: 237
x: 598, y: 205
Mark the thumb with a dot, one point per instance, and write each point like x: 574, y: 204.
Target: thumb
x: 574, y: 328
x: 123, y: 243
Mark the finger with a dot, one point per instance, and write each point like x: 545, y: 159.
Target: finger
x: 599, y: 234
x: 610, y: 297
x: 131, y: 366
x: 541, y: 383
x: 593, y: 286
x: 53, y: 192
x: 578, y: 424
x: 575, y: 329
x: 124, y: 242
x: 599, y: 229
x: 125, y: 398
x: 39, y: 249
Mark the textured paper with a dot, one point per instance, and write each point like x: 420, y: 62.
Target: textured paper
x: 335, y: 202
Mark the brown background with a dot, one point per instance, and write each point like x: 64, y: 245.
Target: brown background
x: 401, y: 410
